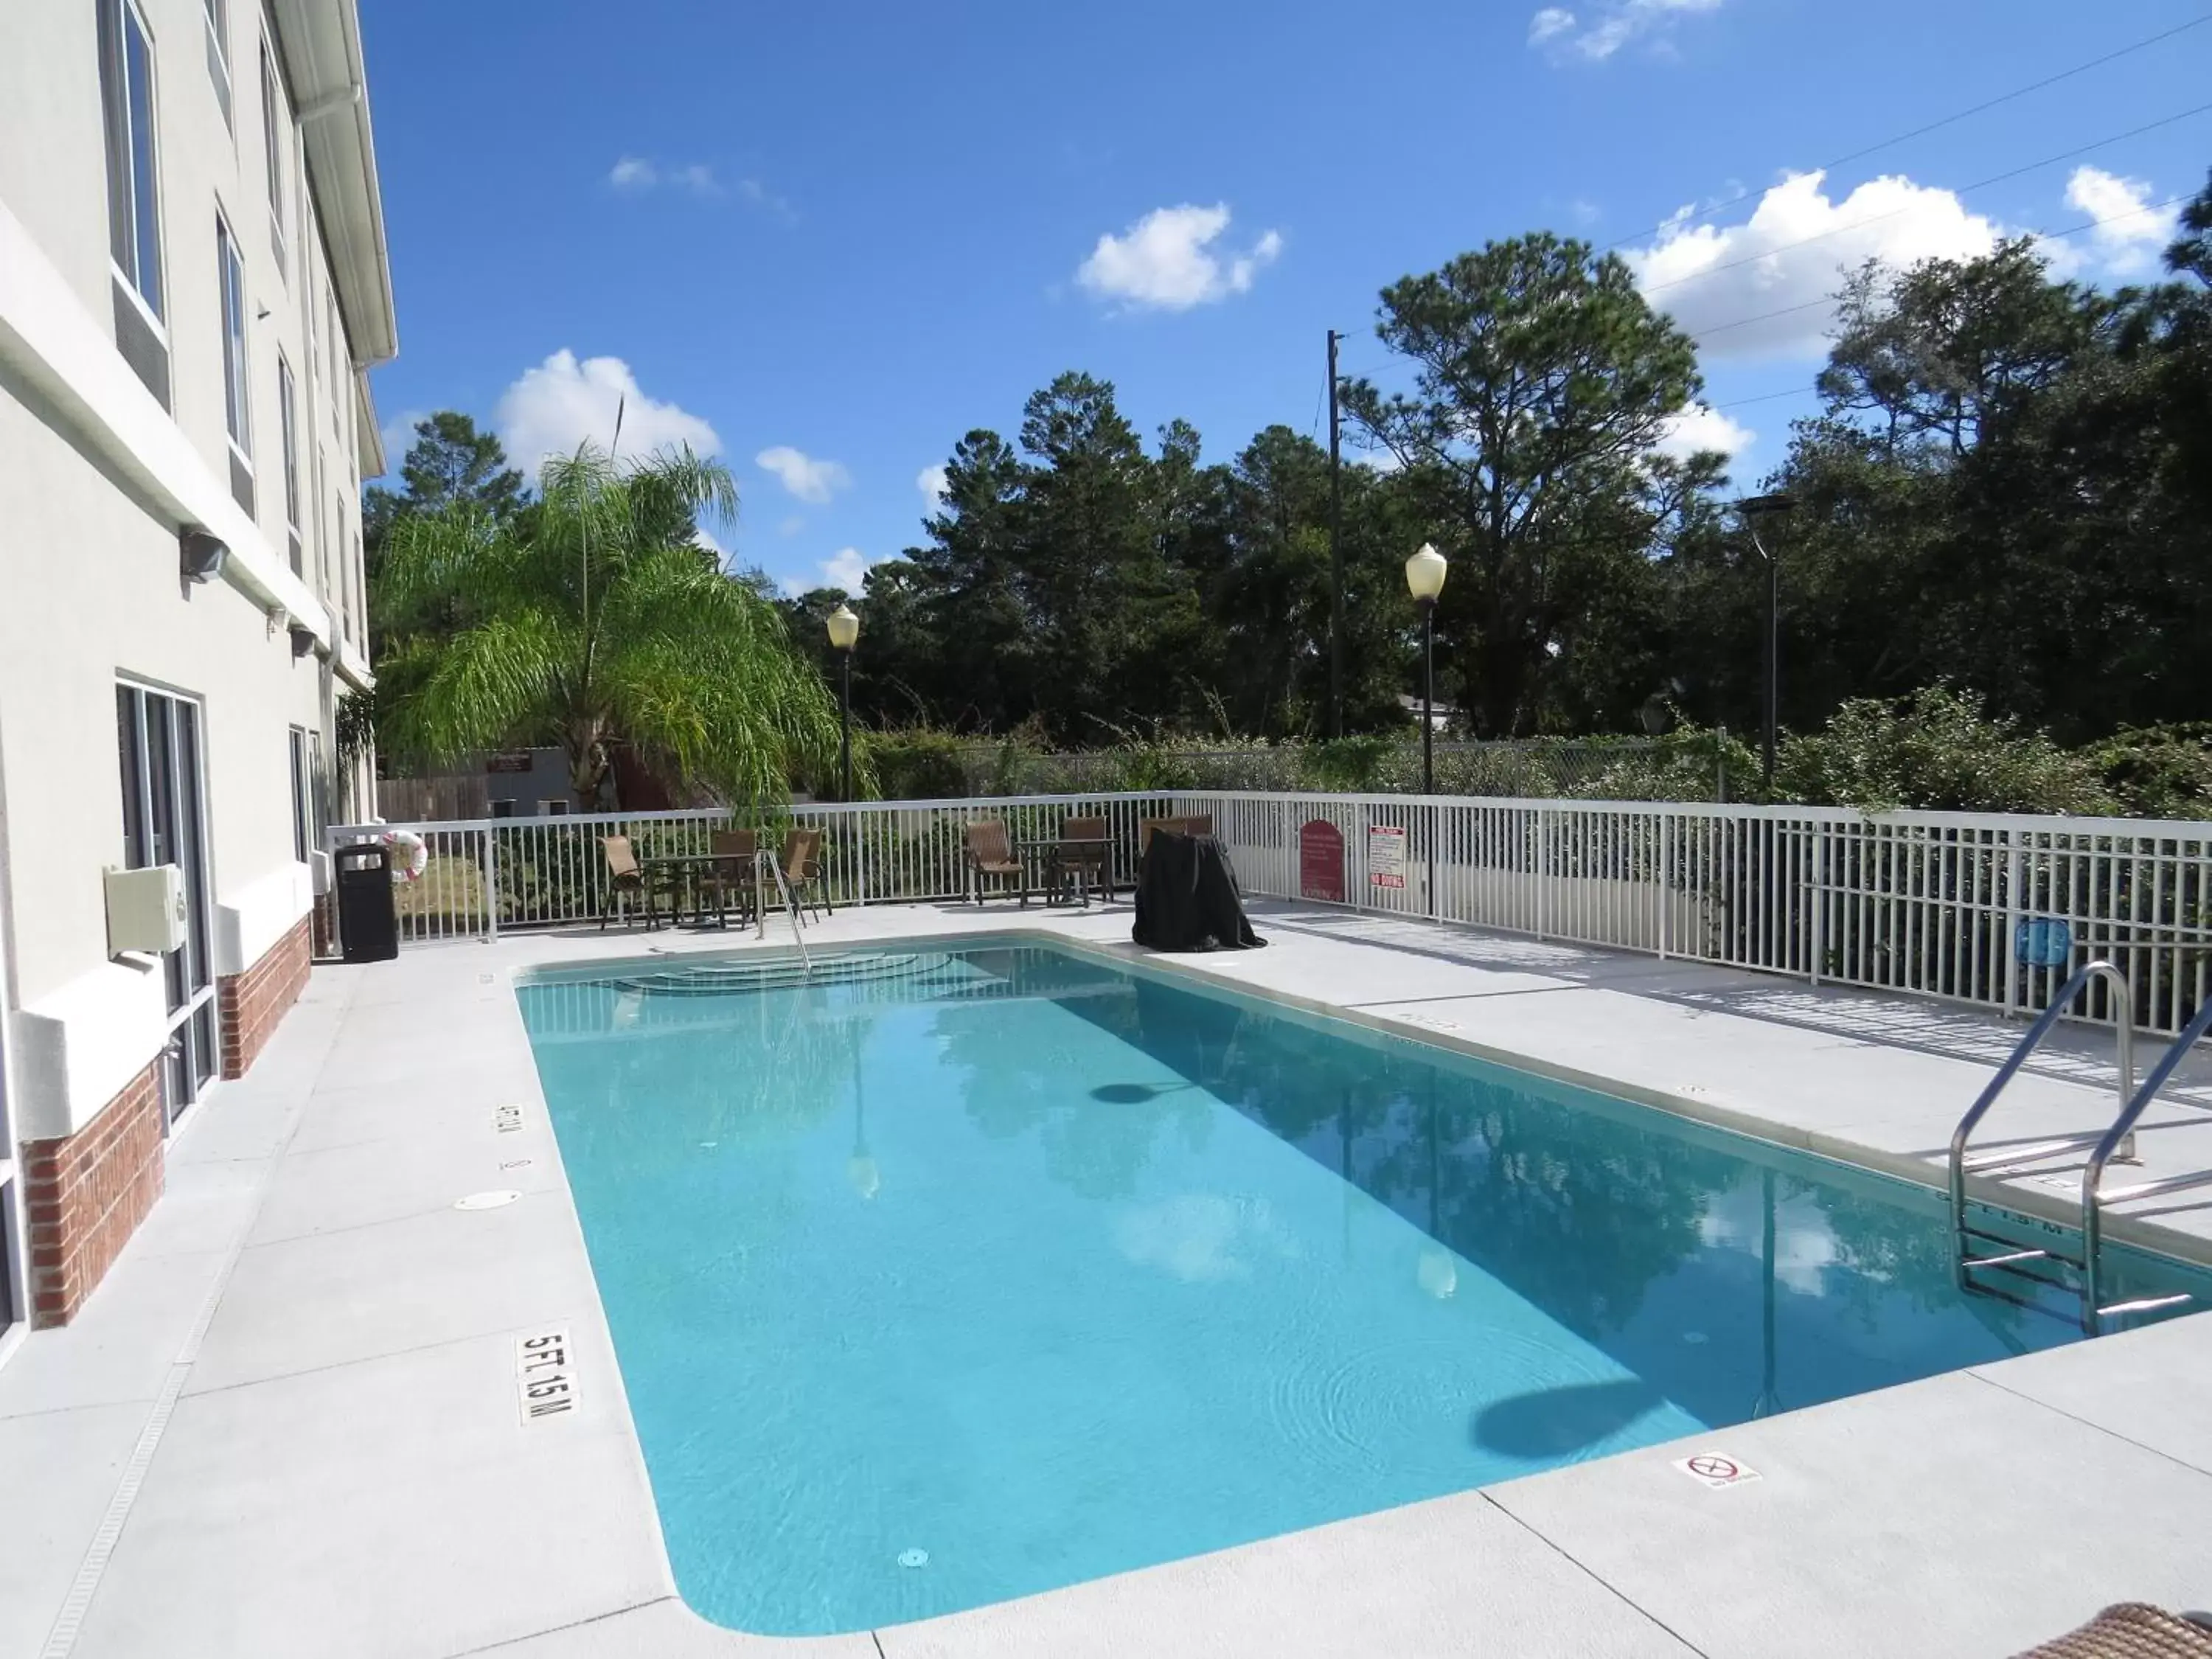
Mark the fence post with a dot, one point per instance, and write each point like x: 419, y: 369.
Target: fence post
x: 1543, y: 871
x: 1818, y: 886
x: 2013, y: 876
x: 491, y: 884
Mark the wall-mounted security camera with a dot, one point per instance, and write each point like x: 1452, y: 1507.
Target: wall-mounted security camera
x: 202, y: 555
x: 303, y: 640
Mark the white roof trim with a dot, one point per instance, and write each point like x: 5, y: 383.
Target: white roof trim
x: 321, y: 43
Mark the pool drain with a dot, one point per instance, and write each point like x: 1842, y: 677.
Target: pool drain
x: 914, y: 1558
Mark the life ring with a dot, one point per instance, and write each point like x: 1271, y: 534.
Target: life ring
x: 411, y: 855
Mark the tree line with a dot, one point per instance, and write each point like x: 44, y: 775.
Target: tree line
x: 2007, y: 492
x: 2006, y: 489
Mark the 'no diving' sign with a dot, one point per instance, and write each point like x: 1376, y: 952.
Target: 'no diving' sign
x: 1716, y: 1471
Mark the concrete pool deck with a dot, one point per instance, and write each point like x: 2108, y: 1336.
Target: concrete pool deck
x: 289, y: 1423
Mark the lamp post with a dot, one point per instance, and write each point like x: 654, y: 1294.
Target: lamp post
x: 844, y: 630
x: 1424, y: 580
x: 1752, y: 510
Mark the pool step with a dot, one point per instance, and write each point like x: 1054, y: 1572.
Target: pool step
x: 2115, y: 1143
x: 2069, y: 1276
x: 719, y: 978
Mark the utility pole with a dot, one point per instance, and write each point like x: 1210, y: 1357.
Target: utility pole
x: 1335, y: 556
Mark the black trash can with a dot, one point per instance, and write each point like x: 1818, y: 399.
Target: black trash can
x: 368, y: 926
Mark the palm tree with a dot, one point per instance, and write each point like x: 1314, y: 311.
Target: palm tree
x: 593, y: 618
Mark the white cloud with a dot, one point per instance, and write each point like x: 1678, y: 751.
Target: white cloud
x: 1762, y: 289
x: 803, y: 475
x: 1700, y: 428
x: 721, y: 552
x: 847, y: 568
x: 1565, y: 38
x: 1167, y: 260
x: 562, y: 403
x: 761, y: 197
x: 1551, y: 22
x: 636, y: 174
x: 930, y: 481
x: 790, y: 526
x: 2129, y: 231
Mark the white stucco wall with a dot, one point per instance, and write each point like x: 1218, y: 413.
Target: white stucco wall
x: 92, y: 492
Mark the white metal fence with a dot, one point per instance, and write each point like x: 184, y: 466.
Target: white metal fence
x: 1926, y: 902
x: 484, y: 875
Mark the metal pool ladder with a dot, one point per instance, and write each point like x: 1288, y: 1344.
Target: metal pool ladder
x: 765, y: 860
x: 2116, y: 1141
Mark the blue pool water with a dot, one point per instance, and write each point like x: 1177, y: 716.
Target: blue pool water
x: 1049, y: 1269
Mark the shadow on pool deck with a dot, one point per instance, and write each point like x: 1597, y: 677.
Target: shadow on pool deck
x: 2077, y: 1054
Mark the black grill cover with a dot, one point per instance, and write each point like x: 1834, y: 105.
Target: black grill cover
x: 1187, y: 897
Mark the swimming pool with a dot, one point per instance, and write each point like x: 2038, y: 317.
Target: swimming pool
x: 968, y: 1272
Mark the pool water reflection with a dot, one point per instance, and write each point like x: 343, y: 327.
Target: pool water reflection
x: 1052, y: 1269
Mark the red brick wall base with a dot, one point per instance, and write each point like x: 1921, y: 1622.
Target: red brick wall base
x: 249, y: 1004
x: 88, y: 1192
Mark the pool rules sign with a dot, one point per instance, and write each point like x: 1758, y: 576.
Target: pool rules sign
x: 1386, y: 856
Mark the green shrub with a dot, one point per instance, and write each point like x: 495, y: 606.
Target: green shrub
x: 2159, y: 771
x: 1939, y: 749
x: 1352, y: 765
x: 914, y: 762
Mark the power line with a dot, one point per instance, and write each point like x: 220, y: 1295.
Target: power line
x: 1704, y: 271
x: 1678, y: 220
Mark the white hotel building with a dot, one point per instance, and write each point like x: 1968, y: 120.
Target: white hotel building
x: 193, y: 281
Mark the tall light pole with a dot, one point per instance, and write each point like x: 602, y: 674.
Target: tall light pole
x: 1336, y: 556
x: 1424, y: 580
x: 844, y: 631
x: 1752, y: 510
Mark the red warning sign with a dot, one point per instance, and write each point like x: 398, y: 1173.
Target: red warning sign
x: 1321, y: 861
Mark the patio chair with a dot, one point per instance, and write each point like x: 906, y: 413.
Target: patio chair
x: 1084, y: 858
x: 731, y: 876
x: 1200, y: 824
x: 625, y: 876
x: 990, y: 854
x: 2132, y: 1630
x: 801, y: 862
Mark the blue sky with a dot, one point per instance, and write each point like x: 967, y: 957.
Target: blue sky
x: 825, y: 240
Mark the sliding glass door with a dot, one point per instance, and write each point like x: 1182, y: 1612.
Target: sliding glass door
x: 164, y: 804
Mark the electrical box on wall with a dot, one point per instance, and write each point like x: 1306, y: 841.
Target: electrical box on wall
x: 146, y: 909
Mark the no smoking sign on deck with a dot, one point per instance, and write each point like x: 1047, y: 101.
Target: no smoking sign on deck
x: 1714, y: 1470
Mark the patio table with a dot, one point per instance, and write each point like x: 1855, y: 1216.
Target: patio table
x: 1053, y: 861
x: 683, y: 870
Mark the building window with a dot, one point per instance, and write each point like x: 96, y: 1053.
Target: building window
x: 336, y: 337
x: 340, y: 589
x: 127, y: 90
x: 272, y: 137
x: 218, y: 53
x: 134, y: 215
x: 305, y: 833
x: 287, y: 415
x: 237, y: 408
x: 164, y: 822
